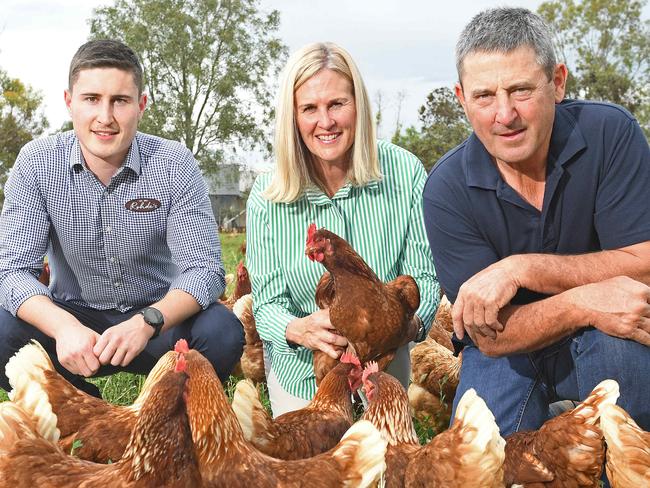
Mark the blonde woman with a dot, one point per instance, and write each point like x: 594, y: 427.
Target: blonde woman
x: 331, y: 170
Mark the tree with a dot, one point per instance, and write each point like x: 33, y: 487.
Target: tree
x: 606, y: 46
x: 207, y: 64
x: 443, y: 126
x: 21, y: 120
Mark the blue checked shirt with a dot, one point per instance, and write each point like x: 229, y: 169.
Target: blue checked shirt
x: 104, y: 251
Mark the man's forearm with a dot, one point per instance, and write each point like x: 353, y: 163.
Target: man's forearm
x: 176, y: 307
x: 533, y: 326
x: 553, y: 274
x: 42, y: 313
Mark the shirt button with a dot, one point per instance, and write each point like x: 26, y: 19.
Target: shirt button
x: 117, y: 284
x: 112, y: 259
x: 108, y: 228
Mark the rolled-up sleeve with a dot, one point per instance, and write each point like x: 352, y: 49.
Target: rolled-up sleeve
x: 24, y: 231
x: 272, y: 305
x: 192, y: 236
x: 417, y: 260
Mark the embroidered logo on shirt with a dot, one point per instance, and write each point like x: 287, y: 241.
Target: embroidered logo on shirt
x: 142, y: 205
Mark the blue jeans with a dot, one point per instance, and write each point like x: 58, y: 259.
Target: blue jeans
x: 519, y: 388
x: 215, y: 332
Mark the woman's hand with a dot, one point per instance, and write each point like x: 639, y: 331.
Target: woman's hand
x: 316, y: 332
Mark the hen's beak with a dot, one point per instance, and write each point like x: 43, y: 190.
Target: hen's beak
x: 314, y: 253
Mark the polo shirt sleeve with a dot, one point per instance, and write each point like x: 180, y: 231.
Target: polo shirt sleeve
x: 24, y: 234
x: 622, y: 211
x: 272, y: 305
x: 459, y: 249
x: 417, y: 260
x: 192, y: 236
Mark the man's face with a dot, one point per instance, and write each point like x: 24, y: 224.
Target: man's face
x: 105, y: 109
x: 510, y: 103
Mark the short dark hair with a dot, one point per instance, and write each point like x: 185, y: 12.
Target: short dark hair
x: 105, y: 53
x: 503, y: 30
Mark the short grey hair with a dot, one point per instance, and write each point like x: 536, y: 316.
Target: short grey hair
x: 503, y: 30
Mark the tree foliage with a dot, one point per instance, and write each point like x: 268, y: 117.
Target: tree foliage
x: 606, y: 45
x: 207, y: 67
x: 443, y: 126
x: 21, y: 120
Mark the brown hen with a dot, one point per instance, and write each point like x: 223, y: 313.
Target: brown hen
x: 242, y: 286
x: 306, y: 432
x: 428, y: 409
x: 375, y: 317
x: 567, y: 451
x: 469, y: 454
x: 435, y: 368
x: 252, y: 359
x: 44, y: 277
x: 628, y: 449
x: 102, y: 429
x: 435, y: 373
x: 161, y: 433
x: 227, y: 459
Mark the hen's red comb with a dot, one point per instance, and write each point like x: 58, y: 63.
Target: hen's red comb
x: 348, y: 357
x: 181, y: 346
x: 181, y: 363
x: 240, y: 267
x: 310, y: 232
x: 370, y: 368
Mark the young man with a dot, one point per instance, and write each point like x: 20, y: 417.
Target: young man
x: 539, y: 224
x: 126, y: 224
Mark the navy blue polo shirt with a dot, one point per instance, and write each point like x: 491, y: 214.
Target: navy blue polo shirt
x: 596, y: 197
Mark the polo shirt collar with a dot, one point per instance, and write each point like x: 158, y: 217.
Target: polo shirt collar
x: 566, y: 141
x: 480, y: 171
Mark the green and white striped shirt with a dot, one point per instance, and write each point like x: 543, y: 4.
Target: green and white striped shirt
x: 382, y: 221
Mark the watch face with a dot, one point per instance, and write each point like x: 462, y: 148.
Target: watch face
x: 153, y: 316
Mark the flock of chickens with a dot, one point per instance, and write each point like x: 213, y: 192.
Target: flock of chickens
x: 181, y: 431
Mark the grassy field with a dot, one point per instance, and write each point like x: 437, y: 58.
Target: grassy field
x: 123, y: 388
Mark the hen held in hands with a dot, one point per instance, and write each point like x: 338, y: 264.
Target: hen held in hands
x: 375, y: 317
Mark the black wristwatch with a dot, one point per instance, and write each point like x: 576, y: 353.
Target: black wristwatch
x: 154, y: 318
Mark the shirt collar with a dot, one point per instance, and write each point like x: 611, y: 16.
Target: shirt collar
x: 316, y: 196
x: 566, y: 141
x: 132, y: 160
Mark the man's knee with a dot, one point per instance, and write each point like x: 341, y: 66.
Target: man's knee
x: 600, y: 357
x: 218, y: 335
x: 508, y: 386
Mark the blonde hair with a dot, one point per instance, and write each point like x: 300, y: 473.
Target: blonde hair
x: 293, y: 171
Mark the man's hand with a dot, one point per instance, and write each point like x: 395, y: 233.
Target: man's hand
x: 619, y: 307
x: 74, y: 348
x: 118, y: 345
x: 317, y: 333
x: 481, y: 297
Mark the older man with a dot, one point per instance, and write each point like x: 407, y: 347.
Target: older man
x: 539, y: 224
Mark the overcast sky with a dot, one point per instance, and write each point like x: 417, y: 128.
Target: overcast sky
x: 402, y: 45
